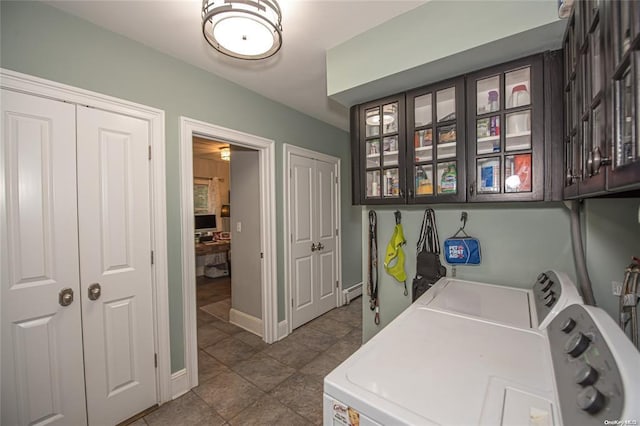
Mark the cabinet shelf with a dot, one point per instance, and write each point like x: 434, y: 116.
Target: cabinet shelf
x: 488, y: 139
x: 447, y: 145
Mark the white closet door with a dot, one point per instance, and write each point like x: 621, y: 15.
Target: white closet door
x: 42, y: 374
x: 325, y: 230
x: 312, y: 215
x: 303, y: 260
x: 115, y: 254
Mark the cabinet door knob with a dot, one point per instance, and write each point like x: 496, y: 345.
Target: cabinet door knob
x: 313, y: 247
x: 471, y: 186
x: 320, y: 246
x: 598, y: 160
x: 65, y: 297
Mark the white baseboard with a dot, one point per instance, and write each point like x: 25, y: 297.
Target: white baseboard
x: 179, y: 383
x: 246, y: 321
x: 283, y: 329
x: 351, y: 293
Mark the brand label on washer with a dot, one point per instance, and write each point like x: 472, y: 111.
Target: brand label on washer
x: 344, y: 415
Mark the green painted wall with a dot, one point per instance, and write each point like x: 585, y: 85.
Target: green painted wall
x: 40, y: 40
x: 517, y: 242
x: 440, y: 29
x: 612, y: 236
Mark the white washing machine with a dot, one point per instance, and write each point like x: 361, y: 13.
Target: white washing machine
x: 434, y: 366
x: 524, y: 308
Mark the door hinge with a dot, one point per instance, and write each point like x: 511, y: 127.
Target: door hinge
x: 291, y: 237
x: 337, y: 233
x: 149, y: 152
x: 292, y: 303
x: 155, y: 360
x: 261, y: 255
x: 152, y: 257
x: 336, y: 179
x: 290, y: 173
x: 337, y: 284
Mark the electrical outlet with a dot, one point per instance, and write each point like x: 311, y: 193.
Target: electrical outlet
x: 239, y: 226
x: 616, y: 288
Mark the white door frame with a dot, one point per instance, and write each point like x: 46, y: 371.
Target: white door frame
x: 49, y: 89
x: 287, y: 151
x: 266, y: 159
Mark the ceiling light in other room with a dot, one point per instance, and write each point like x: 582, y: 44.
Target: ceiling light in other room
x: 374, y: 119
x: 225, y: 154
x: 243, y: 29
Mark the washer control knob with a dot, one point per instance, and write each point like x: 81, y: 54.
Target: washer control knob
x: 591, y: 400
x: 568, y: 325
x: 586, y: 375
x: 550, y: 300
x: 547, y: 286
x: 577, y: 344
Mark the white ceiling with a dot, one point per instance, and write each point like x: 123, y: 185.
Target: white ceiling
x: 295, y: 76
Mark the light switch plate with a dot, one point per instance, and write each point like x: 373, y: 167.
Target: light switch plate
x: 239, y: 226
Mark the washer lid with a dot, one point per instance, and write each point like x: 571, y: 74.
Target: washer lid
x: 506, y: 305
x: 435, y: 367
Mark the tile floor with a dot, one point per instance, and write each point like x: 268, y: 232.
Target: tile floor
x: 244, y: 381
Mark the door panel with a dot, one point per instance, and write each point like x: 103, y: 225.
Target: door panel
x: 42, y: 378
x: 325, y: 193
x: 115, y: 253
x: 303, y: 260
x: 313, y: 218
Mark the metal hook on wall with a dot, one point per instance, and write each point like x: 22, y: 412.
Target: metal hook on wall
x: 463, y: 219
x: 398, y: 216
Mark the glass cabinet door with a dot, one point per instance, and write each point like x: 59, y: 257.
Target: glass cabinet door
x: 436, y: 127
x: 383, y: 145
x: 506, y: 140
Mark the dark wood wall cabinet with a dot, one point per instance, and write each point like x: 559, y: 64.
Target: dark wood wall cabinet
x: 602, y: 98
x: 482, y: 137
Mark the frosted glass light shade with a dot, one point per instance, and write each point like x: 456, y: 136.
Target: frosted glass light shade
x: 243, y: 29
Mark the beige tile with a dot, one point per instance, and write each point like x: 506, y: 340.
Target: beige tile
x: 139, y: 422
x: 230, y: 351
x: 251, y: 339
x: 208, y: 334
x: 209, y: 367
x: 290, y: 353
x: 329, y: 326
x: 303, y: 394
x: 204, y: 317
x: 268, y: 411
x: 186, y: 410
x: 343, y: 349
x: 226, y: 327
x: 320, y: 366
x: 263, y: 371
x: 228, y: 394
x: 312, y: 338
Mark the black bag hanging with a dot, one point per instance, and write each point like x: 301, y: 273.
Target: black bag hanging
x: 428, y: 266
x: 372, y: 276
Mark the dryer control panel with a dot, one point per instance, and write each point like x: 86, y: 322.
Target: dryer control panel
x: 596, y: 368
x: 552, y: 291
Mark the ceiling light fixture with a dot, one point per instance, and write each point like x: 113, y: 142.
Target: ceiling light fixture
x: 243, y: 29
x: 225, y: 154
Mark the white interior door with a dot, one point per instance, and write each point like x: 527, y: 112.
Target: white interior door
x: 325, y: 227
x: 312, y: 216
x: 115, y: 254
x: 303, y: 259
x: 42, y: 376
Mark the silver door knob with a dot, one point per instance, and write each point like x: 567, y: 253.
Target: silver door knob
x: 320, y: 246
x: 598, y: 160
x: 313, y: 247
x: 94, y: 291
x: 65, y: 297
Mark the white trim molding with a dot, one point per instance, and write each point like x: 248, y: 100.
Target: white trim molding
x: 246, y: 321
x: 266, y: 158
x: 283, y: 329
x: 179, y: 383
x: 24, y: 83
x: 287, y: 151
